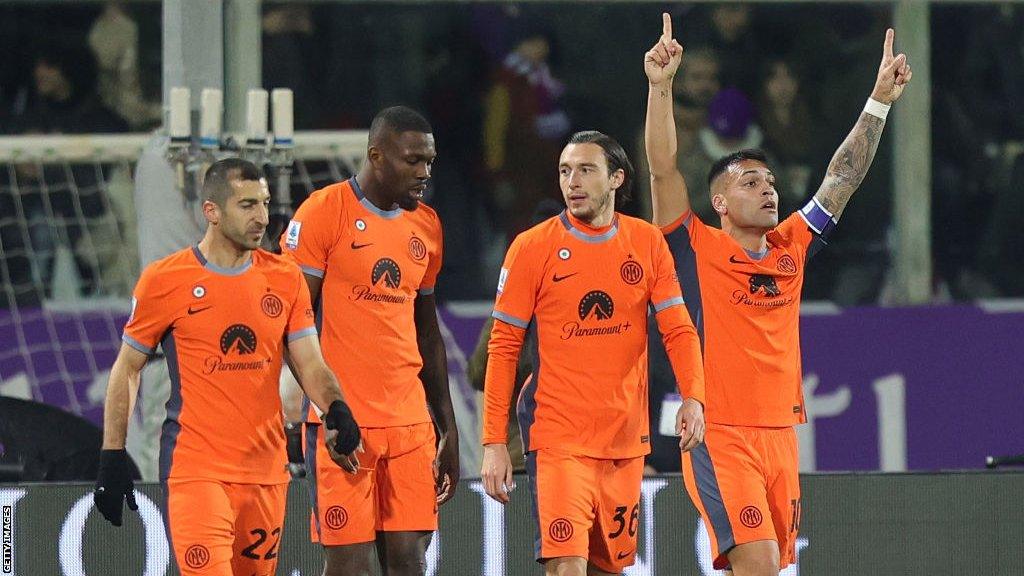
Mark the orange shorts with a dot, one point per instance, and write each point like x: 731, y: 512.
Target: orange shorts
x: 220, y: 528
x: 392, y: 492
x: 586, y: 507
x: 745, y: 482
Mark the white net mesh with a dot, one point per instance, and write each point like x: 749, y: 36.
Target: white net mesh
x: 69, y: 254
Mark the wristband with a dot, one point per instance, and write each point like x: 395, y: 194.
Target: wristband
x: 877, y: 109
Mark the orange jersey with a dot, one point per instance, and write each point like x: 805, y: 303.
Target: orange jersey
x: 587, y: 293
x: 747, y: 309
x: 222, y: 331
x: 373, y: 263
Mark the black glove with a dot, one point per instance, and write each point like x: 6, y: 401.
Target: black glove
x: 339, y: 417
x: 114, y: 485
x: 296, y: 459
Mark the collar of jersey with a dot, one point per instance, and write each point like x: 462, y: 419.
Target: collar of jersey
x: 387, y: 214
x: 588, y: 233
x: 220, y: 269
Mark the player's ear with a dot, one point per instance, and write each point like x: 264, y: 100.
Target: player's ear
x: 375, y: 156
x: 211, y: 211
x: 617, y: 178
x: 719, y: 204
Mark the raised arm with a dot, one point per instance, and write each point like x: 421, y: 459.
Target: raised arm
x: 669, y: 196
x: 851, y: 161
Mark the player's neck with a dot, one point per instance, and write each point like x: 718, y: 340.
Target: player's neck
x: 371, y: 189
x: 602, y: 220
x: 222, y: 252
x: 751, y: 239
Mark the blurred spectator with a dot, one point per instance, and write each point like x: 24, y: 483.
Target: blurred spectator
x: 789, y: 131
x: 726, y: 29
x: 114, y: 40
x: 67, y: 204
x: 694, y: 88
x: 525, y: 127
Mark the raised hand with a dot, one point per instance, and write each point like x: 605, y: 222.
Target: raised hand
x: 662, y: 60
x: 893, y: 73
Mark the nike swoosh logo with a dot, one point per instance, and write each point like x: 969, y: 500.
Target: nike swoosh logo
x: 735, y: 261
x: 192, y: 311
x: 358, y: 246
x: 557, y: 278
x: 622, y: 555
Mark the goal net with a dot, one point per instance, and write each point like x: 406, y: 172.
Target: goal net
x: 69, y: 257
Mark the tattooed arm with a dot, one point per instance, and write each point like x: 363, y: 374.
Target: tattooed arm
x: 853, y: 158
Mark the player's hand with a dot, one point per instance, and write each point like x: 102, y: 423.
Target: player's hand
x: 496, y: 472
x: 339, y: 417
x: 690, y: 424
x: 893, y: 73
x: 446, y: 467
x: 293, y: 446
x: 114, y: 485
x: 349, y: 462
x: 662, y: 60
x: 342, y: 436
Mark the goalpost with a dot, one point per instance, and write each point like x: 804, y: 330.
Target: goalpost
x: 69, y: 256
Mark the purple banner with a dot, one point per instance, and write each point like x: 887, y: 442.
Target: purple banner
x: 886, y: 389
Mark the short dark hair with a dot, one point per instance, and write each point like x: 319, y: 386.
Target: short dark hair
x: 614, y: 154
x: 398, y: 119
x: 723, y: 163
x: 220, y: 175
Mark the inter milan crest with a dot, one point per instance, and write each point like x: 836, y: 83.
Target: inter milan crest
x: 631, y: 271
x: 417, y: 249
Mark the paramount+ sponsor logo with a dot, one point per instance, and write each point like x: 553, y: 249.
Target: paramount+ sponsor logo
x: 238, y: 340
x: 763, y: 292
x: 595, y: 310
x: 385, y: 280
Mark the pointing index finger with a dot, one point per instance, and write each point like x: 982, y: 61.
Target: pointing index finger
x: 890, y: 34
x: 666, y: 26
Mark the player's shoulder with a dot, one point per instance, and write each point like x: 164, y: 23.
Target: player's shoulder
x: 333, y: 195
x: 165, y: 274
x: 173, y: 264
x: 637, y: 226
x: 427, y: 216
x: 272, y: 263
x: 541, y: 235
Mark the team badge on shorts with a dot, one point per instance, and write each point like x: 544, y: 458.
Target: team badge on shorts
x: 336, y: 517
x: 750, y: 516
x: 197, y: 556
x: 560, y: 530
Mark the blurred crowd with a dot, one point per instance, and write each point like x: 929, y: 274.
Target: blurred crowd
x: 505, y: 85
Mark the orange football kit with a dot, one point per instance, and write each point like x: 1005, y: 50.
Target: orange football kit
x: 373, y: 264
x: 586, y: 293
x: 222, y: 449
x: 744, y: 479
